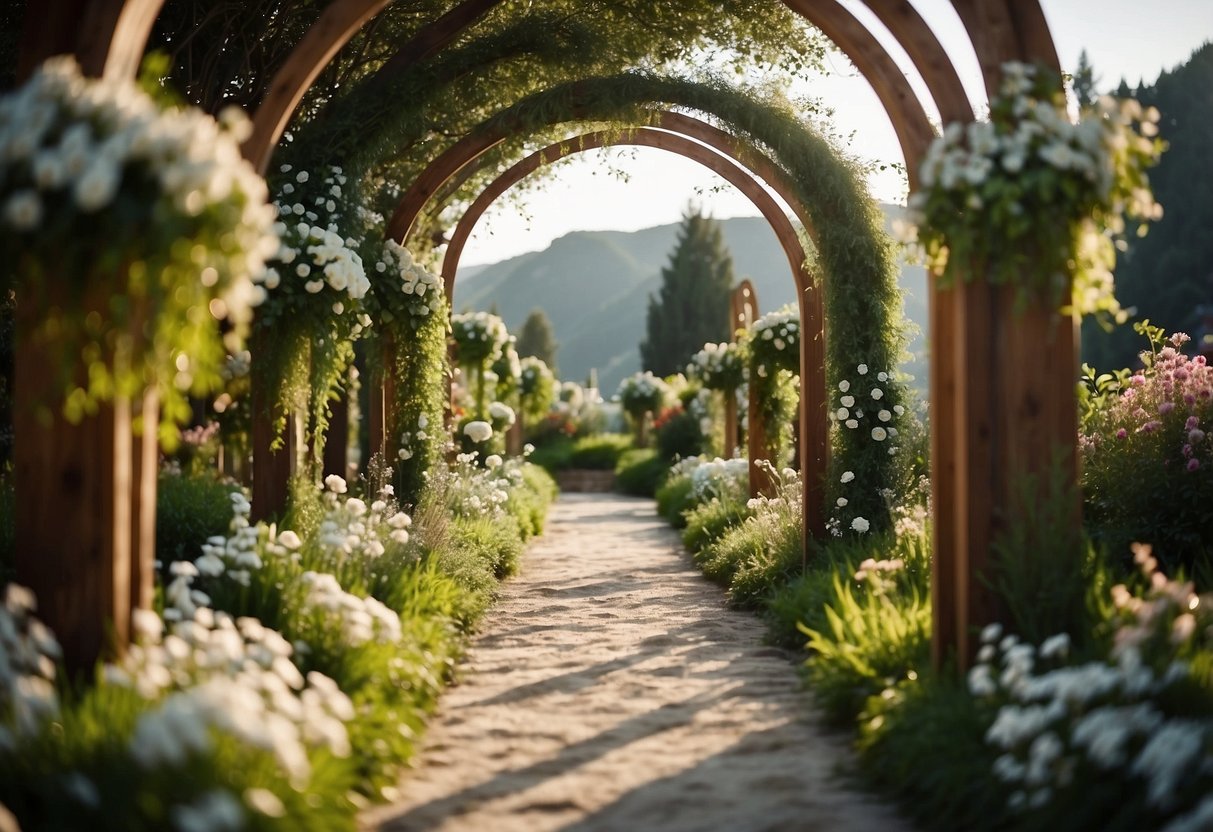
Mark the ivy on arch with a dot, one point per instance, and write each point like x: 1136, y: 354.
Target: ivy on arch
x: 853, y: 253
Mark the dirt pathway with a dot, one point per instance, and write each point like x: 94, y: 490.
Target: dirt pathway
x: 612, y: 689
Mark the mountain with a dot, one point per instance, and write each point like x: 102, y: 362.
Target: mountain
x: 595, y: 287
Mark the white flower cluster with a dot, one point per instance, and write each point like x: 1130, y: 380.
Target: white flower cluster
x: 362, y: 620
x: 719, y: 366
x: 70, y: 146
x: 867, y: 393
x: 478, y: 431
x: 1030, y: 156
x: 479, y: 336
x: 721, y: 478
x: 1104, y: 719
x: 28, y: 653
x: 422, y: 291
x: 235, y: 676
x: 405, y: 449
x: 473, y: 491
x: 775, y: 341
x: 643, y: 392
x: 231, y: 558
x: 502, y: 414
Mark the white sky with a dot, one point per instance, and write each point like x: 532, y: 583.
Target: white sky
x: 1123, y: 38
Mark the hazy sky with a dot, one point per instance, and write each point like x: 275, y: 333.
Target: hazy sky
x: 1134, y: 40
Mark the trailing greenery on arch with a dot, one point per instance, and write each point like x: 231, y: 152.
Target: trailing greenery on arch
x: 855, y: 255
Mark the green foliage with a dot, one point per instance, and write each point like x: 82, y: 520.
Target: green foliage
x: 479, y: 550
x: 707, y: 522
x: 871, y: 640
x: 923, y: 743
x: 1042, y: 568
x: 640, y: 472
x: 554, y: 453
x: 600, y: 453
x: 679, y: 436
x: 674, y: 497
x: 692, y: 307
x: 190, y: 509
x: 800, y: 601
x: 529, y: 505
x: 537, y: 340
x: 752, y: 558
x: 418, y: 364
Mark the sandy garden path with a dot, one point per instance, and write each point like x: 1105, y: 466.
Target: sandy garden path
x: 611, y: 689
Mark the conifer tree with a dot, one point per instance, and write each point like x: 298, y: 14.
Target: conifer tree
x: 537, y: 338
x: 692, y: 306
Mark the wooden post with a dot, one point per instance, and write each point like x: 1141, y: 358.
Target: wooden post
x: 1013, y: 413
x: 730, y: 424
x: 336, y: 444
x: 272, y: 469
x: 85, y: 506
x: 513, y: 436
x: 756, y: 435
x: 814, y: 408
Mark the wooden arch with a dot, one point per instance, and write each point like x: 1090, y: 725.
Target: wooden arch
x: 814, y: 425
x: 992, y: 419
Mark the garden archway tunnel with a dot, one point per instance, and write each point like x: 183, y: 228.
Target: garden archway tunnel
x: 990, y: 422
x: 814, y: 425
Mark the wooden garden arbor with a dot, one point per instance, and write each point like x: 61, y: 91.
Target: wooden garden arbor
x: 814, y: 423
x: 1001, y: 379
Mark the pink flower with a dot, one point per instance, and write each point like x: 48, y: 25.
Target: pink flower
x: 1151, y: 426
x: 1195, y: 436
x: 1166, y: 407
x: 1192, y: 423
x: 1189, y: 399
x: 1122, y: 434
x: 1138, y: 380
x: 1193, y: 464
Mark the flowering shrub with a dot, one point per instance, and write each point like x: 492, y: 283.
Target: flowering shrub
x: 314, y: 312
x: 105, y: 193
x: 28, y: 656
x: 774, y: 343
x: 1148, y: 457
x: 986, y: 185
x: 1125, y: 742
x: 643, y: 393
x: 866, y: 411
x: 536, y: 389
x: 720, y: 367
x: 403, y: 290
x: 481, y: 338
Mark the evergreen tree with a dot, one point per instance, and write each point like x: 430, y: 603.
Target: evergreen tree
x: 692, y: 306
x: 538, y: 339
x: 1084, y: 81
x: 1167, y: 275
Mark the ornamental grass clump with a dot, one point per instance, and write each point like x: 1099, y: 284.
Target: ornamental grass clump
x: 1148, y: 459
x: 986, y: 185
x: 108, y: 194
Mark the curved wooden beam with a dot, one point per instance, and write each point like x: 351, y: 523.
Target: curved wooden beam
x: 337, y: 24
x: 814, y: 421
x: 722, y: 141
x: 107, y: 37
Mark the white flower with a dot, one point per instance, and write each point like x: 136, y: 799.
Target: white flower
x: 400, y: 535
x: 842, y: 502
x: 492, y: 461
x: 335, y: 484
x: 847, y: 476
x: 884, y: 415
x: 265, y: 802
x: 877, y: 393
x: 478, y: 431
x: 898, y: 409
x: 96, y: 188
x: 852, y: 424
x: 842, y: 413
x: 844, y: 385
x: 862, y: 369
x: 848, y: 401
x: 355, y: 506
x: 289, y: 540
x: 879, y: 434
x: 23, y: 210
x: 860, y: 525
